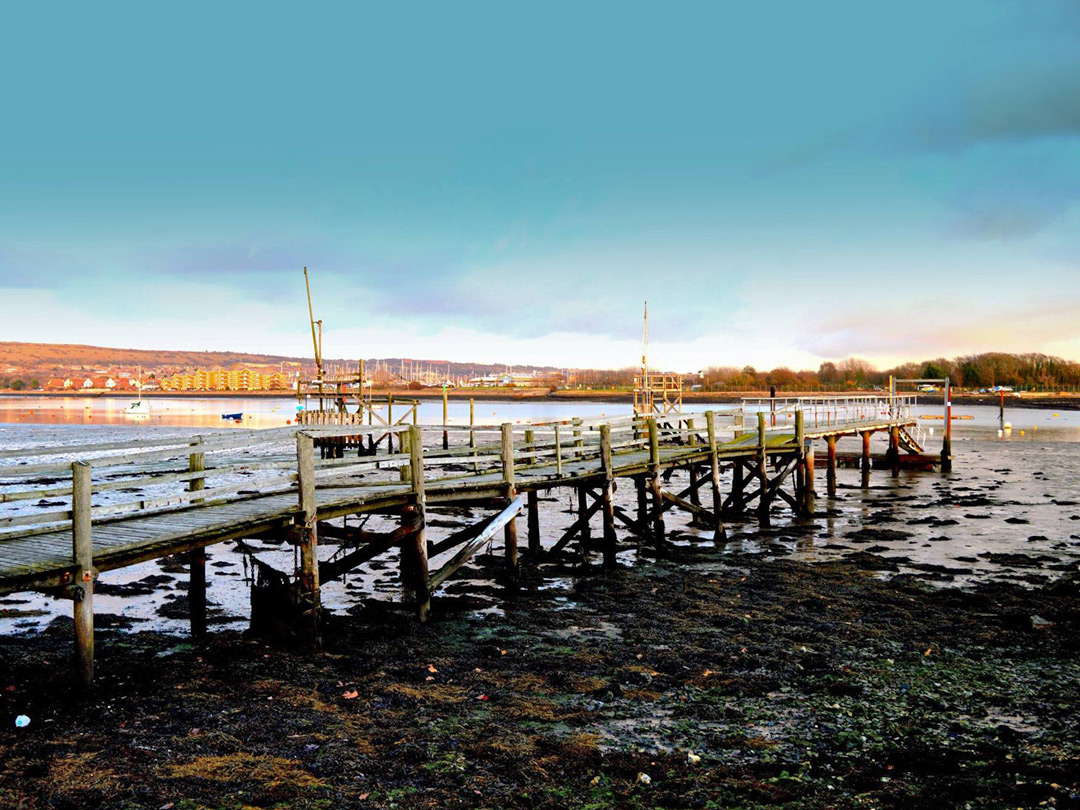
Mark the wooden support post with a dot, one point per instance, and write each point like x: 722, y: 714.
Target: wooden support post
x: 308, y: 596
x: 946, y: 442
x: 510, y: 532
x: 533, y: 511
x: 894, y: 451
x: 809, y: 483
x: 608, y: 491
x: 197, y: 556
x: 389, y: 423
x: 83, y: 587
x: 800, y: 454
x: 714, y: 475
x: 534, y: 524
x: 472, y: 431
x: 414, y: 554
x: 583, y: 513
x: 530, y: 446
x: 578, y: 441
x: 695, y: 496
x: 737, y: 499
x: 196, y: 463
x: 866, y: 458
x: 830, y: 472
x: 642, y: 501
x: 405, y: 471
x: 445, y: 419
x: 558, y: 452
x: 762, y: 467
x: 654, y: 480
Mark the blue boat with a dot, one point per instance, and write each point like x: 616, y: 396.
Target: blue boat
x: 235, y: 416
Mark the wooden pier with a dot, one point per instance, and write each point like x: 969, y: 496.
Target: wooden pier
x: 195, y: 491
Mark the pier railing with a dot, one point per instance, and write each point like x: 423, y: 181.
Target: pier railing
x: 167, y: 474
x: 37, y: 488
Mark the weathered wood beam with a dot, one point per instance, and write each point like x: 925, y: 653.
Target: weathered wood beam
x: 576, y: 527
x: 501, y: 520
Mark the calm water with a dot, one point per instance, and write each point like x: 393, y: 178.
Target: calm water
x: 1010, y: 510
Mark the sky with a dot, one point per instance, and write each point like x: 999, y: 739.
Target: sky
x: 784, y: 182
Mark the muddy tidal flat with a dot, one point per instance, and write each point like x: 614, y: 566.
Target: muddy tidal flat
x: 763, y: 683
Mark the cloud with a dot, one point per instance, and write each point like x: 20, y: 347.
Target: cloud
x: 1030, y: 326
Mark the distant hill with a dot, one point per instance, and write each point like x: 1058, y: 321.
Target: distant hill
x: 43, y: 358
x: 47, y: 355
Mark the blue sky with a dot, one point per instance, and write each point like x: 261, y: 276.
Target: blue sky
x: 785, y: 182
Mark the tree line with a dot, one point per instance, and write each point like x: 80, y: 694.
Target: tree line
x: 1022, y: 371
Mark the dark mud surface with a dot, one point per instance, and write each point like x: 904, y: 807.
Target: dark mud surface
x: 680, y: 684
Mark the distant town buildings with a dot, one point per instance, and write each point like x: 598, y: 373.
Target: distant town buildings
x: 237, y: 379
x: 93, y: 383
x: 506, y: 380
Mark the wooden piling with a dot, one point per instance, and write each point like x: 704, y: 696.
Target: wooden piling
x: 830, y: 470
x: 510, y: 532
x: 404, y: 471
x: 445, y: 420
x: 946, y: 442
x: 894, y: 451
x: 472, y: 431
x: 764, y: 501
x: 608, y: 491
x: 654, y: 480
x: 533, y: 508
x: 83, y: 588
x: 414, y: 554
x: 866, y: 458
x: 714, y: 474
x: 695, y: 496
x: 308, y: 596
x: 804, y: 477
x: 197, y: 556
x: 642, y: 486
x: 739, y: 476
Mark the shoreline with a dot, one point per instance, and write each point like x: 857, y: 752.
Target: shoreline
x: 1068, y: 401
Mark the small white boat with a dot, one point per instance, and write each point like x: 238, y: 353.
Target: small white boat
x: 139, y: 407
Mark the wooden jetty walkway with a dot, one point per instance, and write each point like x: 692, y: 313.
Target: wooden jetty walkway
x: 191, y: 492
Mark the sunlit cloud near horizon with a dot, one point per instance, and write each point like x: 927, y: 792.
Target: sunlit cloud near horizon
x: 784, y: 185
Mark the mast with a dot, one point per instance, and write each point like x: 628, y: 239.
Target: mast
x: 315, y: 341
x: 646, y: 388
